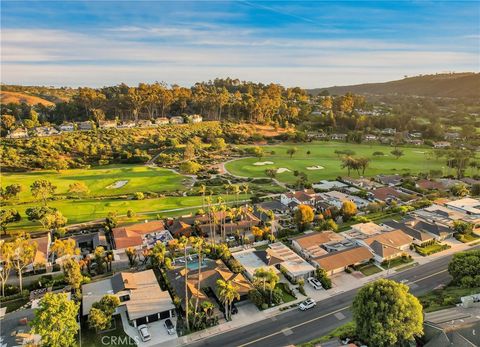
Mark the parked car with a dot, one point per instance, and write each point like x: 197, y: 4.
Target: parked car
x: 144, y: 333
x: 315, y: 283
x: 169, y: 326
x: 307, y: 304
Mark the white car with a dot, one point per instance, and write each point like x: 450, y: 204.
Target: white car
x: 309, y: 303
x: 169, y: 326
x: 315, y: 283
x: 144, y: 333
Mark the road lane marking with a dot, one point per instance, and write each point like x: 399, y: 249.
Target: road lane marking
x: 327, y: 314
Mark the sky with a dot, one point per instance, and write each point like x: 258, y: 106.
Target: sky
x: 308, y: 44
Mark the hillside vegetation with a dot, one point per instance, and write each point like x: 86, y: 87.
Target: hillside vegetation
x: 21, y: 98
x: 455, y: 85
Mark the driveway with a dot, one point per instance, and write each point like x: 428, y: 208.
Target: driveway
x: 10, y: 326
x: 157, y: 331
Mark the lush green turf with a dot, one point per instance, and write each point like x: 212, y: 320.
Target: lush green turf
x: 114, y: 337
x: 140, y: 179
x: 322, y: 154
x: 286, y: 296
x: 369, y: 269
x: 78, y: 211
x: 439, y: 299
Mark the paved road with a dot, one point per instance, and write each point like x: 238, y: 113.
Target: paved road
x: 293, y: 327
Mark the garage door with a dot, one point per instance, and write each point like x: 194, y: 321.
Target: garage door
x: 141, y: 321
x: 153, y: 318
x: 165, y: 315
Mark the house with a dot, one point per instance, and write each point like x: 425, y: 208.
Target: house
x: 86, y: 125
x: 127, y: 125
x: 468, y: 206
x: 139, y: 293
x: 289, y: 261
x: 252, y: 259
x: 371, y: 137
x: 449, y: 136
x: 336, y: 199
x: 144, y: 123
x: 425, y: 184
x: 309, y: 245
x: 441, y: 144
x: 195, y: 118
x: 211, y: 272
x: 338, y: 137
x: 364, y: 230
x: 389, y: 194
x: 445, y: 215
x: 67, y: 127
x: 42, y: 253
x: 176, y: 120
x: 88, y: 242
x: 141, y: 235
x: 415, y: 142
x: 420, y: 237
x: 45, y: 131
x: 387, y: 245
x: 415, y: 135
x: 274, y: 205
x: 362, y: 183
x: 329, y: 185
x: 389, y: 131
x: 336, y: 262
x: 302, y: 197
x: 389, y: 180
x: 162, y: 121
x: 107, y: 124
x: 18, y: 133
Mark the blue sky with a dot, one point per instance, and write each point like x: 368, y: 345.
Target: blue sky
x: 307, y: 44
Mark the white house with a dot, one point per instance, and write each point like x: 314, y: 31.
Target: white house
x: 302, y: 197
x: 162, y: 121
x: 176, y: 120
x: 18, y: 133
x: 67, y: 127
x: 468, y: 206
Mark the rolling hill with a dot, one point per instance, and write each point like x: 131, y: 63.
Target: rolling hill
x: 18, y: 98
x: 454, y: 85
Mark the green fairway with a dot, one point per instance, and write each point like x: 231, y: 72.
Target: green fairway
x: 78, y: 211
x: 140, y: 179
x: 322, y: 154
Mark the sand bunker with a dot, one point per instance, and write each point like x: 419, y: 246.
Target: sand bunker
x: 282, y: 170
x: 117, y: 184
x: 317, y: 167
x: 261, y: 163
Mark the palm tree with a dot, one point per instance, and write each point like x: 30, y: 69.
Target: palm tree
x: 227, y: 292
x: 203, y: 190
x: 198, y: 243
x: 272, y: 281
x: 158, y: 254
x: 260, y: 278
x: 208, y: 308
x: 236, y: 191
x: 183, y: 243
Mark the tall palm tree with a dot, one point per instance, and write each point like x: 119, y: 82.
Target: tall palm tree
x: 236, y: 191
x: 183, y: 243
x: 198, y: 243
x: 203, y: 190
x: 272, y: 281
x: 227, y: 292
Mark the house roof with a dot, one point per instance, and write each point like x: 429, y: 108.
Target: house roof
x: 395, y: 238
x: 386, y: 192
x: 429, y: 185
x: 290, y: 260
x: 317, y: 238
x: 433, y: 228
x: 132, y: 235
x: 416, y: 234
x: 341, y: 259
x: 368, y: 228
x: 390, y: 179
x: 384, y: 250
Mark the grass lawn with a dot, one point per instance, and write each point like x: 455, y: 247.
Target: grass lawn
x: 78, y: 211
x: 140, y: 179
x: 369, y: 269
x: 468, y: 238
x: 396, y: 262
x: 439, y: 299
x: 286, y: 296
x: 431, y: 249
x: 409, y: 266
x: 322, y: 154
x: 115, y: 337
x: 341, y: 332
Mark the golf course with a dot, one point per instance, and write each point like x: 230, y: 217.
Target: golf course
x: 101, y: 181
x: 324, y: 163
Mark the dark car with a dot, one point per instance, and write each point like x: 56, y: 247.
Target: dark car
x: 169, y: 326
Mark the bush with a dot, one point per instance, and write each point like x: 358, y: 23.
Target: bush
x: 264, y: 306
x: 138, y: 196
x: 256, y: 297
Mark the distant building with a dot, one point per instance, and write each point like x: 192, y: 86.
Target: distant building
x: 87, y: 125
x: 196, y: 118
x: 338, y: 137
x: 176, y: 120
x: 45, y: 131
x: 127, y: 125
x: 389, y: 180
x: 389, y: 131
x: 144, y: 123
x: 162, y: 121
x: 370, y: 137
x: 441, y: 144
x: 67, y: 127
x: 18, y: 133
x: 106, y: 124
x: 452, y: 136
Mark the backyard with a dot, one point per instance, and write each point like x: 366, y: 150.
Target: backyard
x: 323, y: 163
